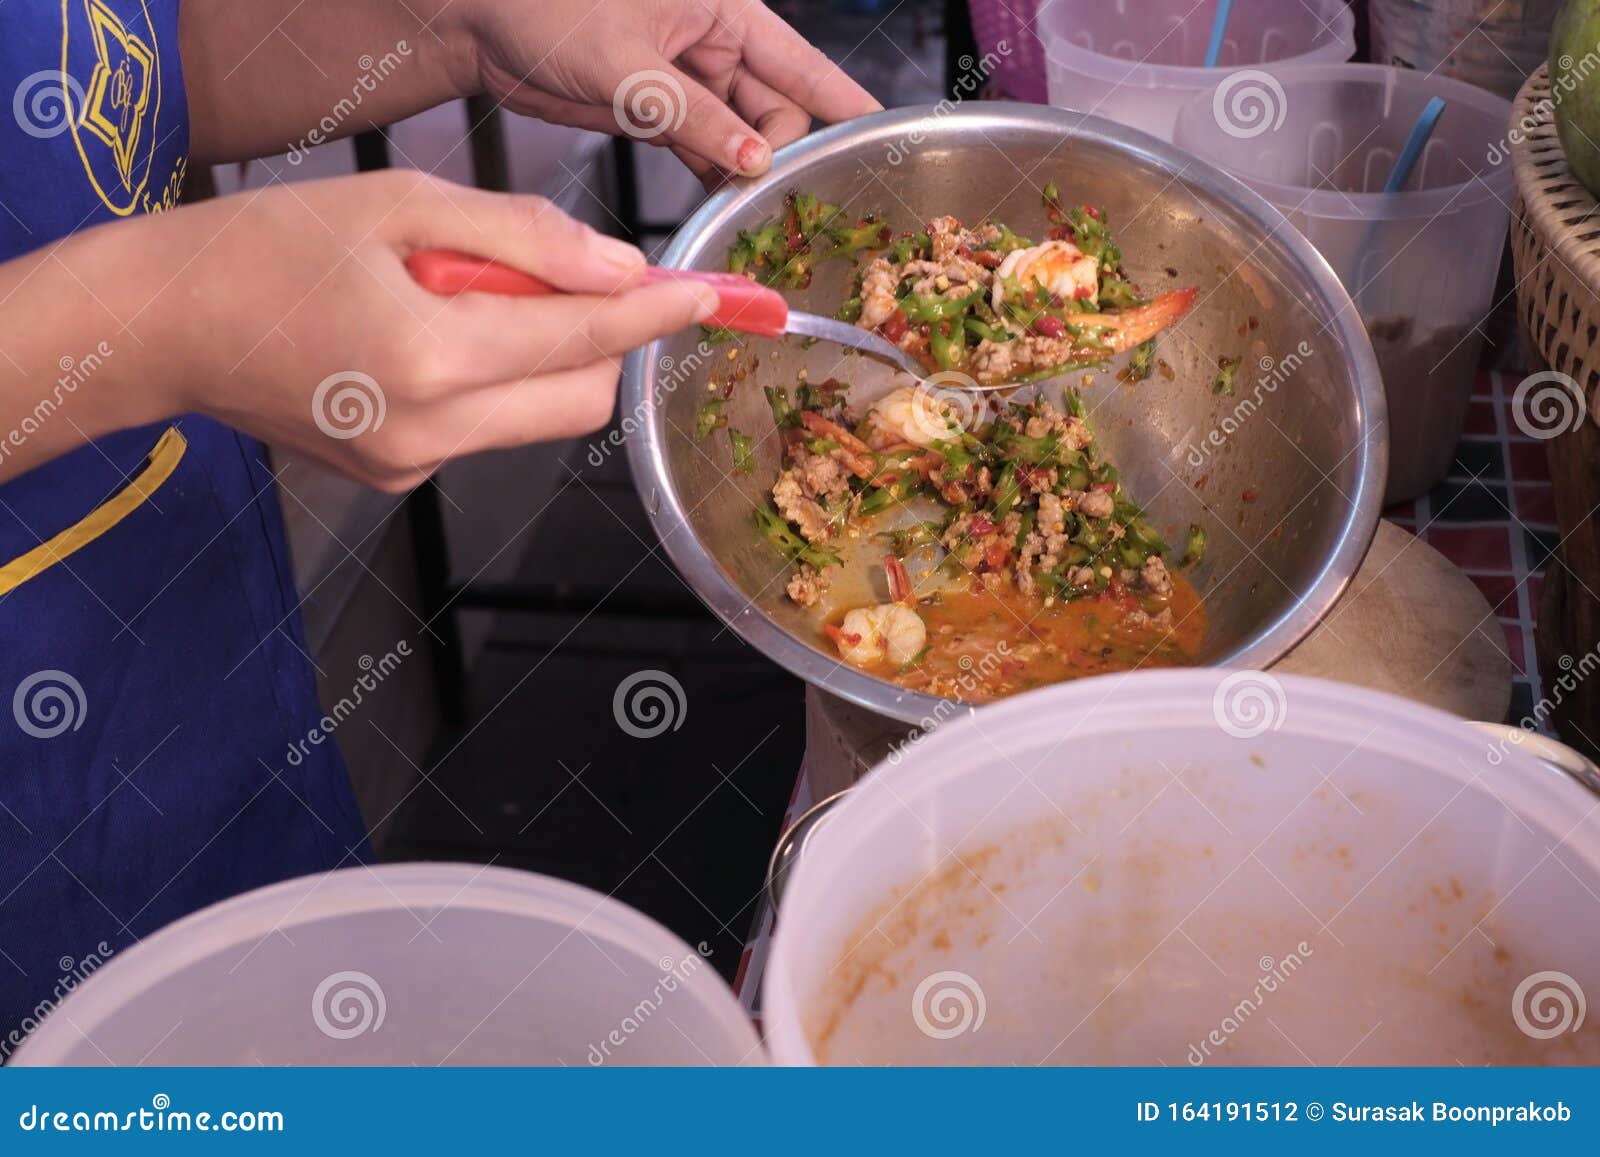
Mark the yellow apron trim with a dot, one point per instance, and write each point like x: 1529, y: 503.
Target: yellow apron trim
x: 158, y: 468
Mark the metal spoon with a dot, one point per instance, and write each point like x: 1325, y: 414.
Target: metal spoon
x: 743, y: 305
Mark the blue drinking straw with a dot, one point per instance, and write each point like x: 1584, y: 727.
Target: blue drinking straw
x: 1219, y: 28
x: 1410, y: 154
x: 1407, y: 160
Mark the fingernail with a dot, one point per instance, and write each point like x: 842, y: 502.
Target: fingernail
x: 706, y: 299
x: 751, y: 155
x: 615, y: 251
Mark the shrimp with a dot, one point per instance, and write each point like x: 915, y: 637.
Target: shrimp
x: 871, y: 636
x: 1065, y: 271
x: 1122, y: 329
x: 914, y: 415
x: 900, y: 588
x: 854, y: 454
x: 1106, y: 334
x: 892, y: 632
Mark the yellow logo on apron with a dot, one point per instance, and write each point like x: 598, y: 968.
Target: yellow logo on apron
x: 113, y: 58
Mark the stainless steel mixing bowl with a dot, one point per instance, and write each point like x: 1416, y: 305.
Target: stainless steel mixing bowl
x: 1286, y: 476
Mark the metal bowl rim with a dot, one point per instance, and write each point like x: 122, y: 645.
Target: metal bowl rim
x: 647, y: 456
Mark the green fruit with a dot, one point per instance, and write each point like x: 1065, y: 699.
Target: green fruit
x: 1575, y: 86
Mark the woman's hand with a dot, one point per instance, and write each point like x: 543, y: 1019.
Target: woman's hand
x: 290, y: 315
x: 723, y: 82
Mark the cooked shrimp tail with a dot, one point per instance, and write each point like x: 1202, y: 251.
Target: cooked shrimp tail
x: 855, y: 454
x: 1123, y: 329
x: 900, y: 588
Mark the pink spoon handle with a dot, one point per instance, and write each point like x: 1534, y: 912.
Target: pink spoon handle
x: 742, y: 305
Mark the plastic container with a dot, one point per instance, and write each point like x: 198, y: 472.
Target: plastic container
x: 1197, y: 867
x: 423, y: 964
x: 1420, y: 264
x: 1140, y: 61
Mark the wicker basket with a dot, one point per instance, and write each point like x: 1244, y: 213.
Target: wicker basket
x: 1555, y: 235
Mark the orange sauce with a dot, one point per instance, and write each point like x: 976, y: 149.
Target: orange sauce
x: 985, y: 645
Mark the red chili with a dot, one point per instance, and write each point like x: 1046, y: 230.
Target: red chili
x: 1083, y: 291
x: 1061, y: 233
x: 1049, y: 325
x: 1092, y: 211
x: 989, y: 258
x: 981, y: 525
x: 1117, y: 595
x: 885, y: 236
x: 895, y: 327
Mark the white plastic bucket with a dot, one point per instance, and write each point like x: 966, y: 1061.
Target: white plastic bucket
x: 423, y: 964
x: 1140, y: 61
x: 1196, y: 867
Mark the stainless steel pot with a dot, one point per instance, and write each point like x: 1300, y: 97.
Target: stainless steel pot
x: 1286, y: 476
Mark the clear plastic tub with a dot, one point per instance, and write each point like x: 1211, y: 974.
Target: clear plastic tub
x: 405, y: 964
x: 1140, y: 61
x: 1420, y: 264
x: 1191, y: 868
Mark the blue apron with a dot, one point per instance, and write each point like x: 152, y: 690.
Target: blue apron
x: 153, y: 668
